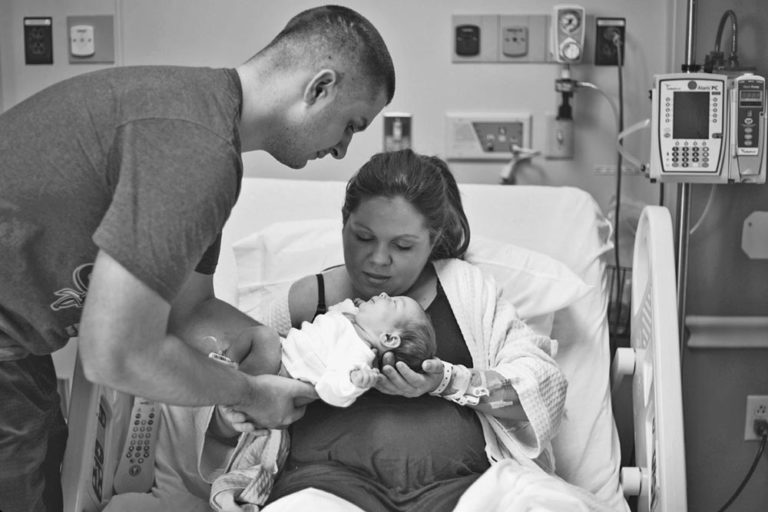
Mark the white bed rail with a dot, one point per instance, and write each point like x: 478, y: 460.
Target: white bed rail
x: 653, y: 360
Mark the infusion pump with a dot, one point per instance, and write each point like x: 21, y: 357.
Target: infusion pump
x: 708, y: 128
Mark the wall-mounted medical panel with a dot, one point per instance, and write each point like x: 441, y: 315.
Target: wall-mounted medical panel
x: 486, y: 136
x: 91, y: 39
x: 475, y: 38
x: 524, y: 38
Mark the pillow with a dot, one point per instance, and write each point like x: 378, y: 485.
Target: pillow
x: 536, y: 284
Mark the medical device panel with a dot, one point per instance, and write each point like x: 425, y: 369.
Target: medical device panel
x: 568, y: 27
x: 688, y: 128
x: 747, y: 129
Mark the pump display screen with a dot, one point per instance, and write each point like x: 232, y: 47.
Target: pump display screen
x: 691, y: 115
x: 750, y: 95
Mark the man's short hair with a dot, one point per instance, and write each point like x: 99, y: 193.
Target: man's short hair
x: 336, y: 35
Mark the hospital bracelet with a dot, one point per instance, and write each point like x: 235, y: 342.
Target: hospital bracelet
x: 447, y: 374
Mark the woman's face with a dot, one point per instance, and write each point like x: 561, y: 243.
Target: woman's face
x: 386, y: 246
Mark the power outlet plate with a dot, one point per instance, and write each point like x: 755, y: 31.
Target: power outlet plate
x: 606, y: 53
x: 757, y: 409
x: 475, y: 38
x: 38, y: 41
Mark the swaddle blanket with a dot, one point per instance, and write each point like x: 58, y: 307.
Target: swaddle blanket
x: 245, y: 487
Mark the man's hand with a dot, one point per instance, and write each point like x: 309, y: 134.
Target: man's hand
x: 401, y: 380
x: 274, y: 402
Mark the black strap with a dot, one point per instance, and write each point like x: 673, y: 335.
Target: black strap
x: 321, y: 307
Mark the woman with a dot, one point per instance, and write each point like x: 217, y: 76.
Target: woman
x: 405, y: 233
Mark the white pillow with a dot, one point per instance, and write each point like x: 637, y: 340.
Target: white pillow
x: 536, y: 284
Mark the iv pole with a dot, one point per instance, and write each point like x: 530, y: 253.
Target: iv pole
x: 684, y: 192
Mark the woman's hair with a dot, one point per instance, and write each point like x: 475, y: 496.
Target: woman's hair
x: 427, y: 184
x: 417, y: 342
x: 333, y: 35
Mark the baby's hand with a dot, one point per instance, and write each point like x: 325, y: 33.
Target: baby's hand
x: 229, y: 422
x: 364, y: 377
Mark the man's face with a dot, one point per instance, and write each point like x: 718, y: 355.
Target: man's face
x: 325, y: 127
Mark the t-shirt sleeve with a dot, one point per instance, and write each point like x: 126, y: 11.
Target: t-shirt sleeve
x: 207, y: 264
x: 175, y: 183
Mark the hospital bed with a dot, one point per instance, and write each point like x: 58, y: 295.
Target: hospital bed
x: 548, y: 247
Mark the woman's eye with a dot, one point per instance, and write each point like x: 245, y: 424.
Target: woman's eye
x: 404, y: 247
x: 364, y: 238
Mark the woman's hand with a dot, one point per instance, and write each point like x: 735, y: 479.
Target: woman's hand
x: 401, y: 380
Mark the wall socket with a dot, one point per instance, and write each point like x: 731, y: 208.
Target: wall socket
x: 606, y: 53
x: 38, y: 41
x: 757, y: 409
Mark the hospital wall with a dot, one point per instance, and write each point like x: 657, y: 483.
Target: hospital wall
x: 724, y: 282
x: 419, y: 35
x: 227, y: 32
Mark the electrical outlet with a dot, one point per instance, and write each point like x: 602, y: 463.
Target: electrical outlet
x: 475, y: 38
x: 38, y: 41
x: 757, y: 409
x: 606, y: 53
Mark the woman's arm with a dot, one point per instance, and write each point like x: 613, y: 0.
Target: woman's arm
x: 501, y: 400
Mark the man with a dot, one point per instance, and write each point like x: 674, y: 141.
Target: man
x: 115, y: 186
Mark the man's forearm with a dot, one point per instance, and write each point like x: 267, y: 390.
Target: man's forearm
x: 173, y: 372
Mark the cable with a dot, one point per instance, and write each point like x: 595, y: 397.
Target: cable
x: 705, y: 211
x: 619, y: 64
x: 763, y: 430
x: 645, y: 123
x: 588, y: 85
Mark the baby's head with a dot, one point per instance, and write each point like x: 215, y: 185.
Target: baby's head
x: 398, y: 325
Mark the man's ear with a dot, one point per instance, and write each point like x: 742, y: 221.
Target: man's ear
x: 320, y: 86
x: 389, y: 340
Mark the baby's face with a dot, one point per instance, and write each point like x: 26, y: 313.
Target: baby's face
x: 382, y: 313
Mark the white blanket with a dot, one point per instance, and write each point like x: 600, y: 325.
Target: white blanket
x: 512, y: 487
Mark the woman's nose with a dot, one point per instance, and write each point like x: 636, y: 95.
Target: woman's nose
x: 381, y: 256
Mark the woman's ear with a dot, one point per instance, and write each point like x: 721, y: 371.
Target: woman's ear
x: 389, y: 340
x: 320, y: 86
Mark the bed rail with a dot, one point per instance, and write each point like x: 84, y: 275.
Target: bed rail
x: 653, y: 360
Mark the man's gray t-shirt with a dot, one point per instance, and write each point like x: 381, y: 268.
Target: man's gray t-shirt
x: 141, y: 162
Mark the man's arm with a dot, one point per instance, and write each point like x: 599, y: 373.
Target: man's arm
x: 124, y: 344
